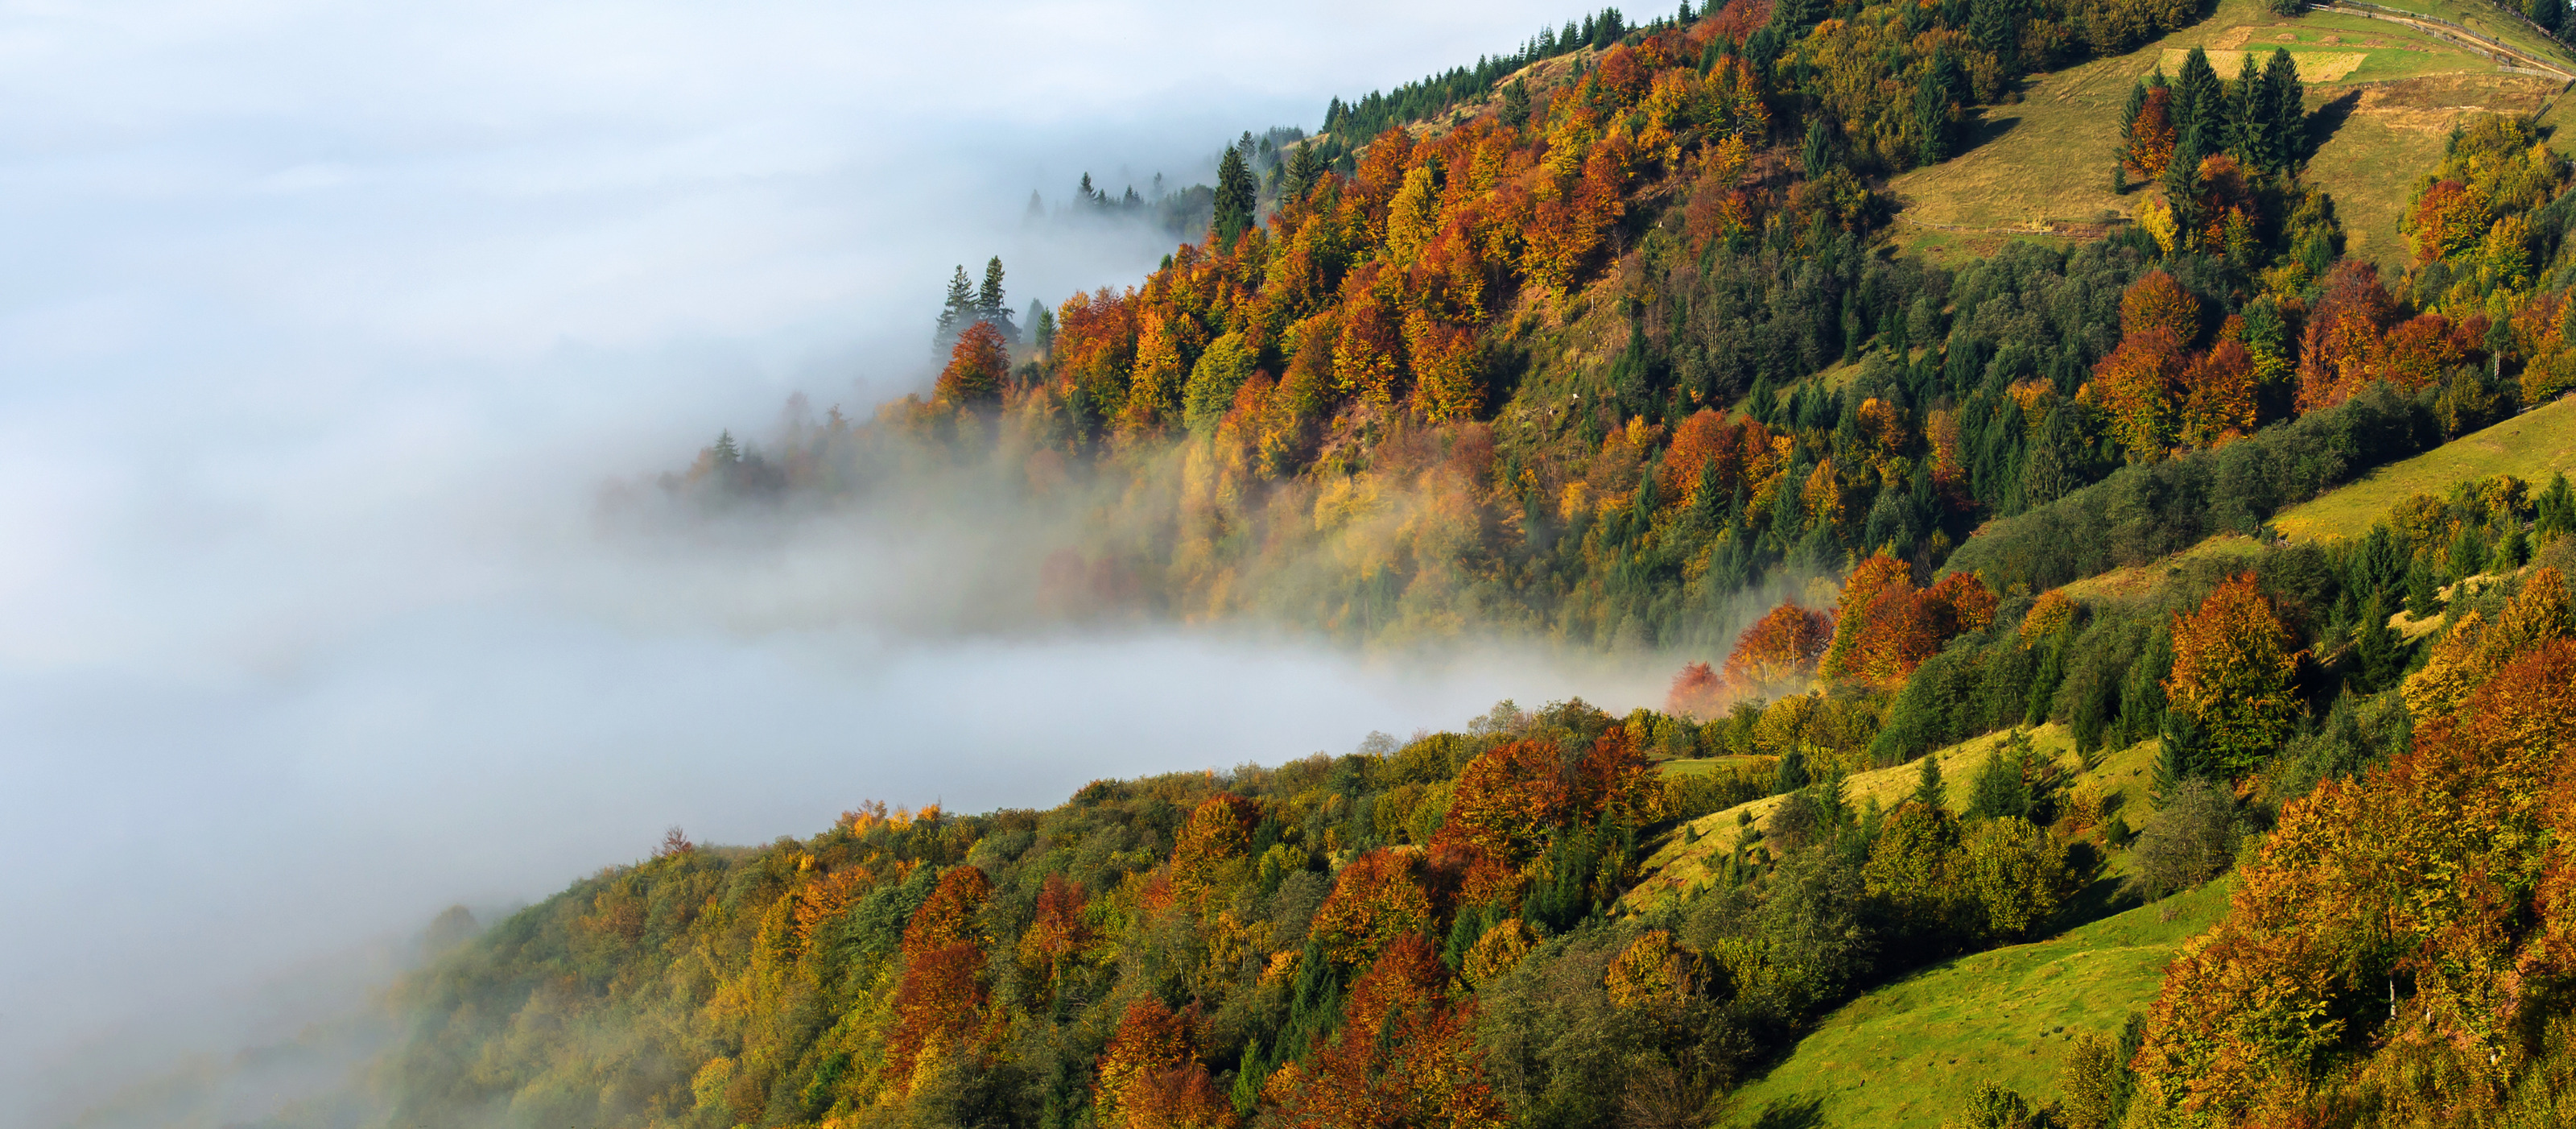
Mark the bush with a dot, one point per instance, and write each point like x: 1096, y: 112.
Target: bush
x: 2144, y: 512
x: 2188, y: 842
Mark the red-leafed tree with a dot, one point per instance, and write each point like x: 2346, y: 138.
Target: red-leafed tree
x: 2233, y: 670
x: 977, y: 366
x: 1506, y: 799
x: 1375, y: 899
x: 1404, y: 1056
x: 1149, y: 1077
x: 1779, y: 649
x: 1696, y: 692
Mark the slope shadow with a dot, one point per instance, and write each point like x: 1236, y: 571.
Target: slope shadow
x: 2328, y: 118
x: 1983, y: 131
x: 1791, y: 1113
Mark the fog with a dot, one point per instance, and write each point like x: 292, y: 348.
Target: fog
x: 324, y: 327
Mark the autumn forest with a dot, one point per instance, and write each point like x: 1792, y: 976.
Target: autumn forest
x: 1990, y: 620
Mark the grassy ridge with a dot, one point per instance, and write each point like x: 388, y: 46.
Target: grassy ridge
x: 2386, y: 95
x: 2531, y: 446
x: 1687, y: 861
x: 1912, y: 1052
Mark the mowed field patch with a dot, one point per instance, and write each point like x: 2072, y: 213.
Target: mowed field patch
x: 2531, y: 446
x: 1912, y: 1053
x: 2314, y: 66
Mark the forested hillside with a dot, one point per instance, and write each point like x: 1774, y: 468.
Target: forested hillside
x: 1606, y: 342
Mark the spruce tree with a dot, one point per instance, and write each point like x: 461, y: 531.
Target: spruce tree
x: 991, y: 306
x: 1819, y: 149
x: 1791, y: 774
x: 1234, y: 197
x: 1516, y: 104
x: 2180, y: 755
x: 2249, y: 120
x: 956, y: 313
x: 2197, y: 104
x: 2376, y: 650
x: 2129, y: 113
x: 1928, y: 789
x: 1996, y: 24
x: 2288, y: 138
x: 2423, y: 597
x: 1932, y: 109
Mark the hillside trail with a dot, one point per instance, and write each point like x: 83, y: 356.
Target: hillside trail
x: 2506, y: 58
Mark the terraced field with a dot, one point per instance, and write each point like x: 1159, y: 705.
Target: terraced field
x: 2384, y: 97
x: 1911, y: 1053
x: 2531, y: 446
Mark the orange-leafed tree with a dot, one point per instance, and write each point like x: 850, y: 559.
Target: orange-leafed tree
x: 1880, y: 573
x: 2152, y: 135
x: 1780, y: 649
x: 2339, y: 348
x: 1208, y: 851
x: 1149, y: 1075
x: 1611, y: 777
x: 2218, y: 396
x: 940, y: 1005
x: 1886, y: 627
x: 1375, y: 900
x: 977, y: 367
x: 2403, y: 938
x: 2233, y: 670
x: 2135, y: 386
x: 1058, y: 932
x: 1695, y: 692
x: 1405, y: 1056
x: 2156, y: 301
x: 1506, y: 799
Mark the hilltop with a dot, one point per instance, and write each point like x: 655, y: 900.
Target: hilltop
x: 1998, y: 677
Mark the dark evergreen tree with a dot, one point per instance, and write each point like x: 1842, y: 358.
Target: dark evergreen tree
x: 1932, y: 100
x: 2423, y: 596
x: 1516, y: 104
x: 1997, y: 26
x: 957, y: 312
x: 2249, y: 117
x: 1234, y: 197
x: 1818, y: 153
x: 991, y: 305
x: 2287, y: 100
x: 2377, y: 652
x: 2199, y: 106
x: 1791, y: 774
x: 1928, y: 789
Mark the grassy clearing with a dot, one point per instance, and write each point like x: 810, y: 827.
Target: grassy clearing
x: 2531, y: 446
x: 2141, y: 584
x: 1912, y: 1053
x: 2386, y: 96
x: 2486, y: 20
x: 1689, y: 859
x: 2386, y: 135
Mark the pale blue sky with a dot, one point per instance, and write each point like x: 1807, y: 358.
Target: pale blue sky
x: 323, y: 322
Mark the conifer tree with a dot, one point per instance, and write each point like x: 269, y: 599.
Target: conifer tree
x: 1996, y: 24
x: 991, y: 306
x: 1932, y: 99
x: 2286, y: 99
x: 2249, y: 120
x: 2423, y: 596
x: 2198, y: 105
x: 1234, y: 197
x: 1928, y: 789
x: 1819, y: 148
x: 1516, y: 104
x: 2376, y: 649
x: 958, y: 311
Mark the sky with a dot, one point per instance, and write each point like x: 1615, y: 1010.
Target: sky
x: 325, y: 326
